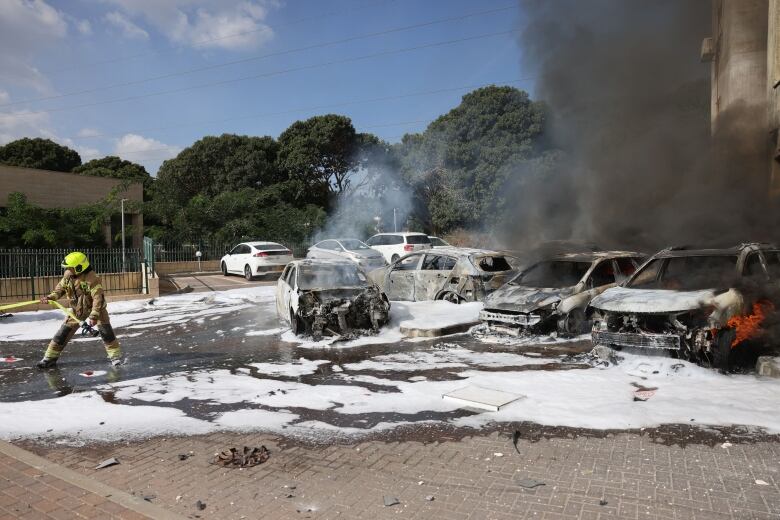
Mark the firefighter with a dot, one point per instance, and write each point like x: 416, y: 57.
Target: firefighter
x: 82, y: 286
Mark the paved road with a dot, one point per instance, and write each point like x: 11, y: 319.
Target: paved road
x: 616, y: 476
x: 217, y: 282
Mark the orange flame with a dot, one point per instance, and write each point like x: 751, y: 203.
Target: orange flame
x: 747, y: 326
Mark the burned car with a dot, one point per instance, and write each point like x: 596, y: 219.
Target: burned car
x: 332, y: 297
x: 699, y: 304
x: 553, y: 294
x: 448, y: 273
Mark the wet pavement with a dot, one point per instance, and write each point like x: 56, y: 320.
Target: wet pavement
x: 166, y: 343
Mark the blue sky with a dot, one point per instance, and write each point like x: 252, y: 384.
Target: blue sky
x: 55, y: 48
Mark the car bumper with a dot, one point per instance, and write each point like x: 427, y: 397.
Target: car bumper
x: 636, y: 340
x: 519, y: 320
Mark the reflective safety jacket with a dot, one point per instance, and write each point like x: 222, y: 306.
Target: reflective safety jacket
x: 85, y: 294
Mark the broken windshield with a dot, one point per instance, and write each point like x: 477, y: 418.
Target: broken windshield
x: 552, y: 274
x: 687, y: 273
x: 330, y: 277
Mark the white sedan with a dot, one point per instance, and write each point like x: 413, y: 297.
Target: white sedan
x: 255, y: 258
x: 348, y: 249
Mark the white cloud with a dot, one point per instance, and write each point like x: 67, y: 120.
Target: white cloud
x: 24, y: 123
x: 224, y: 24
x: 139, y: 148
x: 84, y: 27
x: 5, y: 97
x: 26, y: 27
x: 128, y: 28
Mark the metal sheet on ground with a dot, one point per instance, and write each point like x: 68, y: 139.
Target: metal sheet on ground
x: 483, y: 398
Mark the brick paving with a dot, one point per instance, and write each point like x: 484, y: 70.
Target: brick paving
x: 619, y: 476
x: 29, y: 493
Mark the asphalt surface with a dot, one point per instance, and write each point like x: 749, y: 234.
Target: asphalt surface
x: 221, y: 342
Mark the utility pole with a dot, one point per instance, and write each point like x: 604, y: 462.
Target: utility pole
x: 395, y: 226
x: 122, y: 206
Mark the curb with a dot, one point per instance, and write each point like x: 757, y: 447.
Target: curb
x: 86, y: 483
x: 413, y: 332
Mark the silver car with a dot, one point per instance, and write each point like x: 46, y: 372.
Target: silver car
x: 453, y: 274
x: 350, y: 249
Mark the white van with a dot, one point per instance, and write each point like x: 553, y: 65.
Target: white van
x: 395, y: 245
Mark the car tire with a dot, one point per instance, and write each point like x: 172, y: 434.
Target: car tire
x: 574, y: 322
x: 224, y: 269
x: 248, y: 273
x: 722, y: 352
x: 295, y: 323
x: 394, y: 259
x: 451, y: 297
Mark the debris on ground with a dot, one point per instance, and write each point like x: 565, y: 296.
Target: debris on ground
x: 497, y: 454
x: 184, y: 456
x: 200, y: 506
x: 515, y: 438
x: 149, y: 498
x: 643, y: 393
x: 762, y: 482
x: 390, y: 501
x: 530, y: 483
x: 726, y: 445
x: 106, y: 463
x: 243, y: 458
x: 9, y: 359
x: 603, y: 502
x: 430, y: 498
x: 484, y: 398
x: 605, y: 354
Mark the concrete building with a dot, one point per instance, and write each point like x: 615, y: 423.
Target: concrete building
x: 745, y: 53
x: 52, y: 190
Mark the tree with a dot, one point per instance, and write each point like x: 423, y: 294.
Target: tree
x: 112, y: 166
x: 321, y: 152
x: 213, y: 165
x: 39, y: 153
x: 460, y: 162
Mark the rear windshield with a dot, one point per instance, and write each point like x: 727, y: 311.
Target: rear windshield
x: 687, y: 273
x: 268, y: 247
x: 330, y: 277
x: 353, y: 245
x: 492, y: 264
x: 417, y: 239
x: 553, y: 274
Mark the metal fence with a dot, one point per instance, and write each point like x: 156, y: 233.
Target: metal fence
x: 186, y: 252
x: 30, y: 273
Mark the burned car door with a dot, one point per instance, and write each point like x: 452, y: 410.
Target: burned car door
x: 400, y: 278
x: 284, y: 290
x: 431, y: 276
x: 601, y: 278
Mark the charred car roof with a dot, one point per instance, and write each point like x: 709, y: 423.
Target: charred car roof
x: 673, y: 252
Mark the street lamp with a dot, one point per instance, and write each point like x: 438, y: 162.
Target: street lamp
x: 122, y: 205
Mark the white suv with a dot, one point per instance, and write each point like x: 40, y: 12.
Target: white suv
x: 395, y: 245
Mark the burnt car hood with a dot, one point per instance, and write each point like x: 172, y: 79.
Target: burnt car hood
x: 622, y: 299
x: 525, y: 299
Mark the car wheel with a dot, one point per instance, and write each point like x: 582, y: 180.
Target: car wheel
x: 450, y: 297
x: 224, y: 269
x: 574, y: 322
x: 248, y: 273
x: 722, y: 352
x: 295, y: 323
x: 394, y: 258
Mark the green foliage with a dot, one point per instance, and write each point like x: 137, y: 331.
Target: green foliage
x: 458, y: 166
x: 39, y: 153
x: 26, y: 225
x: 321, y: 153
x: 112, y: 166
x: 213, y: 165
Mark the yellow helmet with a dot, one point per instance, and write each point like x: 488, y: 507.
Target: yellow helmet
x: 77, y: 261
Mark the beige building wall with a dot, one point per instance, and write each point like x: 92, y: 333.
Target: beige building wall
x: 51, y: 190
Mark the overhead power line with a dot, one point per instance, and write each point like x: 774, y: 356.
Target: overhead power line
x: 219, y: 38
x: 224, y: 64
x: 303, y: 109
x: 262, y: 75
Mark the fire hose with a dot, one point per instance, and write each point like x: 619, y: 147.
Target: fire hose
x: 86, y: 328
